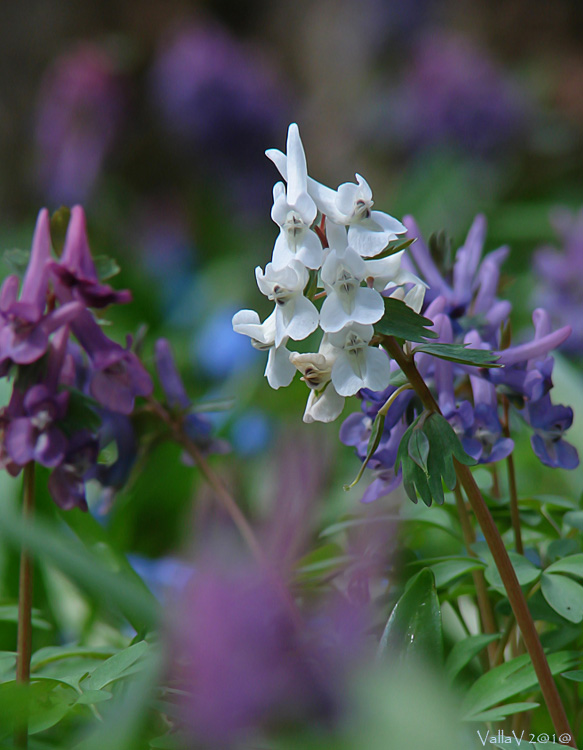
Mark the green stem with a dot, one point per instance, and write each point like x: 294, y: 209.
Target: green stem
x: 24, y: 637
x: 499, y: 553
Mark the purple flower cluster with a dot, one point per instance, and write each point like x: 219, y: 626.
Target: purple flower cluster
x: 454, y: 94
x: 220, y: 98
x: 559, y: 274
x: 462, y: 302
x: 53, y: 376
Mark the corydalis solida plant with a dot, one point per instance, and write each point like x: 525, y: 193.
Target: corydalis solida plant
x: 438, y: 428
x: 55, y: 378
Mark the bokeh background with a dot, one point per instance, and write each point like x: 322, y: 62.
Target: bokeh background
x: 154, y: 114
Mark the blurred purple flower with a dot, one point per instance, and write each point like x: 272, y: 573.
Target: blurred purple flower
x: 79, y: 113
x: 241, y: 657
x: 559, y: 273
x: 454, y: 94
x: 221, y: 100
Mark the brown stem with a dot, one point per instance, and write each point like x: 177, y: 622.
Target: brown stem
x: 484, y: 604
x: 514, y: 514
x: 24, y: 636
x: 499, y: 553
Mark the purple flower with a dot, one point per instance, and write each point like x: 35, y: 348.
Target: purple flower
x: 67, y: 482
x: 241, y: 657
x: 118, y: 376
x: 549, y: 423
x: 34, y: 436
x: 76, y: 270
x: 79, y: 114
x: 24, y: 328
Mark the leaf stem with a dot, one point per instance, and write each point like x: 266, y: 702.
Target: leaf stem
x: 24, y: 636
x: 499, y: 553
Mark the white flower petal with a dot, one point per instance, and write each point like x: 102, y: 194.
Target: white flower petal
x: 247, y: 323
x: 310, y: 253
x: 367, y: 242
x: 388, y: 223
x: 383, y: 270
x: 333, y: 316
x: 297, y: 169
x: 377, y: 369
x: 323, y: 407
x: 344, y: 377
x: 282, y: 254
x: 279, y: 370
x: 304, y: 320
x: 368, y: 306
x: 337, y: 236
x: 346, y: 197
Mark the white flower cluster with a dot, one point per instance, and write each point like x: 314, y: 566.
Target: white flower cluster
x: 348, y: 231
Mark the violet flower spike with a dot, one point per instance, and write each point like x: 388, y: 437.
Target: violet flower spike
x: 24, y: 329
x: 76, y: 270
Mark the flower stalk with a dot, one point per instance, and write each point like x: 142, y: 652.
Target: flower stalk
x: 25, y: 587
x: 499, y: 553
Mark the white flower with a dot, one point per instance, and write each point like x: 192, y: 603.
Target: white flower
x: 279, y: 370
x: 294, y: 211
x: 347, y: 302
x: 386, y: 273
x: 295, y: 316
x: 369, y: 232
x: 324, y: 403
x: 358, y: 365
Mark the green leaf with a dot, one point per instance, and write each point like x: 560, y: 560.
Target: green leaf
x: 374, y: 440
x: 169, y: 742
x: 106, y: 267
x: 464, y: 651
x: 51, y: 654
x: 576, y: 675
x: 392, y: 249
x: 43, y: 703
x: 89, y: 697
x: 526, y: 572
x: 322, y: 561
x: 115, y: 667
x: 401, y: 321
x: 444, y: 445
x: 501, y: 712
x: 572, y: 565
x: 447, y: 571
x: 564, y: 595
x: 17, y: 260
x: 418, y: 449
x: 414, y: 627
x: 574, y: 518
x: 510, y: 679
x: 9, y: 613
x: 115, y: 590
x: 460, y: 353
x: 351, y: 522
